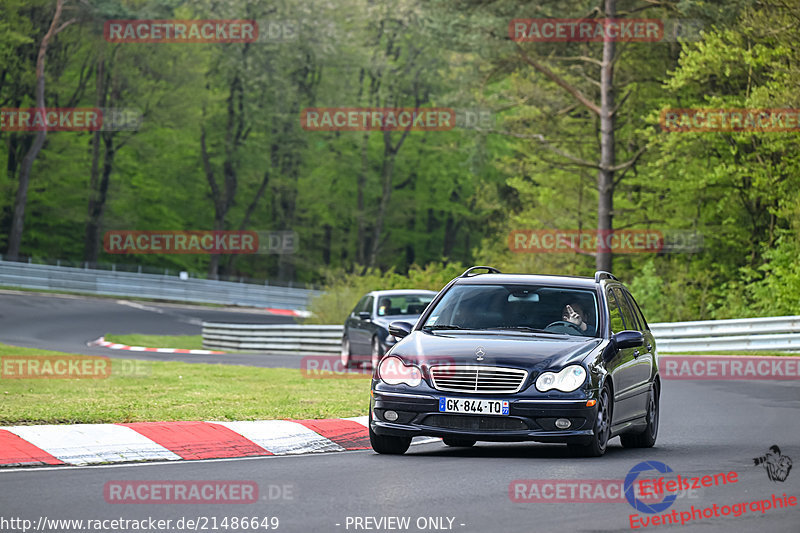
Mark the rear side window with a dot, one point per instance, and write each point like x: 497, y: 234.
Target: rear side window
x: 625, y: 308
x: 636, y: 311
x: 614, y: 313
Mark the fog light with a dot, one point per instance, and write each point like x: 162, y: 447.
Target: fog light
x: 391, y: 416
x: 563, y: 423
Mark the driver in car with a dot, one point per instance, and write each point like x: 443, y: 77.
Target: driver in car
x: 573, y: 321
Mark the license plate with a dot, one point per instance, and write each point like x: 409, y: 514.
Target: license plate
x: 473, y: 406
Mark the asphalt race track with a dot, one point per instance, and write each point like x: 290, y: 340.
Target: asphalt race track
x: 706, y: 428
x: 66, y: 323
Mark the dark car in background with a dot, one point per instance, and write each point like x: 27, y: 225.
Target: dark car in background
x: 518, y: 357
x: 366, y: 331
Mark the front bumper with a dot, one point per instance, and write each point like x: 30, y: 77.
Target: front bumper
x: 529, y: 419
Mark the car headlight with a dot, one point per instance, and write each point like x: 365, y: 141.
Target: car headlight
x: 394, y: 371
x: 567, y: 380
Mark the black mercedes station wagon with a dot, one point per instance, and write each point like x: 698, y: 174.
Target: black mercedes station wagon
x: 518, y: 357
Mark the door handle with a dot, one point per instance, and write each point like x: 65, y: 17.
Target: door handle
x: 649, y: 347
x: 636, y: 353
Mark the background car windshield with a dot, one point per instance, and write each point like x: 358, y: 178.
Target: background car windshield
x: 516, y: 306
x: 403, y: 304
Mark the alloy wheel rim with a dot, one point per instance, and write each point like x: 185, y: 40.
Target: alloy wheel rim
x: 602, y: 420
x: 653, y: 418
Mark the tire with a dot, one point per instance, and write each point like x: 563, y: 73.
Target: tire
x: 346, y: 356
x: 377, y: 352
x: 601, y: 430
x: 458, y: 443
x: 388, y: 445
x: 647, y: 438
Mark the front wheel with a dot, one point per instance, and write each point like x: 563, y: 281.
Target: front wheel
x: 602, y: 429
x: 388, y: 445
x: 647, y: 438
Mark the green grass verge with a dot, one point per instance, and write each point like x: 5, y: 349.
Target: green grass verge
x: 139, y: 391
x: 188, y: 342
x: 740, y: 352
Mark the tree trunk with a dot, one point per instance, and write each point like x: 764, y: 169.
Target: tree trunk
x: 98, y: 205
x: 605, y: 176
x: 361, y: 183
x: 387, y: 172
x: 91, y: 236
x: 249, y: 213
x: 18, y: 219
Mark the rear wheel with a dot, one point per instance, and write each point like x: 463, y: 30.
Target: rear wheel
x: 459, y: 443
x: 345, y: 355
x: 377, y: 352
x: 602, y: 428
x: 647, y: 438
x: 388, y: 445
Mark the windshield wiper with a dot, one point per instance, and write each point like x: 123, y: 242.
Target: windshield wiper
x: 441, y: 326
x: 525, y: 328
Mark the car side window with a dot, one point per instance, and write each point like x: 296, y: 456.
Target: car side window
x: 625, y: 308
x: 636, y: 311
x: 614, y: 314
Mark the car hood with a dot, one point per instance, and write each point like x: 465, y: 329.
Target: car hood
x: 535, y: 353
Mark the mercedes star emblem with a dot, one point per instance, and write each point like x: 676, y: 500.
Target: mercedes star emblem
x: 479, y: 352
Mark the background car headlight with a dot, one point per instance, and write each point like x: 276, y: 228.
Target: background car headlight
x: 567, y: 380
x: 394, y: 371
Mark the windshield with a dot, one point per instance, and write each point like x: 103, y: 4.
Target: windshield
x: 403, y: 304
x: 528, y: 308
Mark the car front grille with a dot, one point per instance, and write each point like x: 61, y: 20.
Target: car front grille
x: 478, y: 379
x: 490, y: 423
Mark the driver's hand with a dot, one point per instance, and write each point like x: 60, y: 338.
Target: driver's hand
x: 571, y: 316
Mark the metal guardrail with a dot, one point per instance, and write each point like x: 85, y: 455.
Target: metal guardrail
x: 749, y: 334
x: 132, y: 284
x: 781, y: 333
x: 273, y: 339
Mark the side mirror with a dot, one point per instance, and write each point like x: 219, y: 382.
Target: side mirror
x: 400, y: 329
x: 364, y: 315
x: 628, y: 339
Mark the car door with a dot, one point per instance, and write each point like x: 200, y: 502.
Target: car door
x: 352, y: 322
x: 643, y: 358
x: 621, y: 365
x: 360, y: 332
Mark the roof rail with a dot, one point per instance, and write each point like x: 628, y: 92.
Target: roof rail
x: 602, y: 274
x: 491, y: 270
